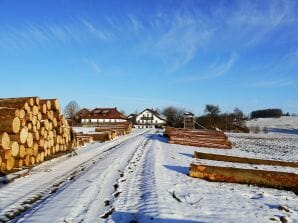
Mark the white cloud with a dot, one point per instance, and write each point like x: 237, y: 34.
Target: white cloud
x: 216, y: 70
x: 180, y: 39
x: 94, y: 66
x: 95, y: 30
x: 273, y: 83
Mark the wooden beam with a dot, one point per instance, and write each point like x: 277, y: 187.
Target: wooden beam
x: 237, y: 159
x: 273, y: 179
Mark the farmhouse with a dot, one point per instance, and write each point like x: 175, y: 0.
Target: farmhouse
x: 149, y: 119
x: 100, y: 116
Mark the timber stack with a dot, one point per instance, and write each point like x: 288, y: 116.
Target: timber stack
x: 120, y: 128
x: 103, y: 132
x: 200, y: 138
x: 31, y: 130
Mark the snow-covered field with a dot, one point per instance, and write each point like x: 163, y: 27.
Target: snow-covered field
x: 284, y: 124
x: 141, y: 178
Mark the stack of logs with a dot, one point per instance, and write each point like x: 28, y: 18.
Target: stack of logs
x: 200, y: 138
x: 31, y: 130
x: 103, y: 132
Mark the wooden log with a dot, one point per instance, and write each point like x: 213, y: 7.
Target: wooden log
x: 6, y: 154
x: 43, y: 108
x: 41, y: 142
x: 27, y: 160
x: 55, y: 105
x: 203, y: 140
x: 19, y: 163
x: 14, y: 112
x: 29, y: 151
x: 38, y: 125
x: 35, y: 148
x: 29, y: 125
x: 20, y: 137
x: 274, y: 179
x: 10, y: 124
x: 22, y: 152
x: 29, y: 141
x: 42, y: 156
x: 23, y: 122
x: 22, y: 113
x: 37, y: 158
x: 16, y: 102
x: 32, y: 160
x: 37, y: 101
x: 14, y: 148
x: 10, y: 163
x: 39, y: 116
x: 236, y: 159
x: 46, y: 102
x: 36, y: 136
x: 34, y: 119
x: 35, y: 110
x: 4, y: 141
x: 208, y: 145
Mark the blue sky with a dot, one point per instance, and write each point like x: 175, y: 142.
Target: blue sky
x: 138, y: 54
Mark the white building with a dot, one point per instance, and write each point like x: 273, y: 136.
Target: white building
x: 149, y: 119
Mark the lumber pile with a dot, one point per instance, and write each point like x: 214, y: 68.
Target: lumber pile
x: 103, y: 132
x: 82, y: 140
x: 119, y: 128
x: 273, y: 179
x: 200, y: 138
x: 31, y: 130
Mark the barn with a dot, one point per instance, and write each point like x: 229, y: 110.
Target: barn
x: 99, y: 116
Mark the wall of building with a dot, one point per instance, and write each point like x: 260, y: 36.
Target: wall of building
x: 102, y: 120
x: 149, y: 119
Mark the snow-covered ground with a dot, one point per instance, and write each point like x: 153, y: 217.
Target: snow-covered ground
x: 141, y: 178
x: 286, y: 124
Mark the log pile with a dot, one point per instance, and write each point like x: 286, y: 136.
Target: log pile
x: 120, y: 128
x: 31, y: 130
x: 200, y: 138
x: 82, y: 140
x: 103, y: 132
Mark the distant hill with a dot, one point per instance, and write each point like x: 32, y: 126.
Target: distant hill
x: 284, y: 122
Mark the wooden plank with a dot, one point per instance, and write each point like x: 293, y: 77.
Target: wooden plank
x: 273, y: 179
x: 236, y: 159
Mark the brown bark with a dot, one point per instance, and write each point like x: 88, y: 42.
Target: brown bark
x: 218, y: 157
x: 280, y: 180
x: 9, y: 124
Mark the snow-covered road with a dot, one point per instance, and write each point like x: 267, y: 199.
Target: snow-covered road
x: 70, y: 188
x: 141, y: 178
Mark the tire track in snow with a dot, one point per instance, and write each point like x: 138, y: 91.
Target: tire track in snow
x: 139, y: 193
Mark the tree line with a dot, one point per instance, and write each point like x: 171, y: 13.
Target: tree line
x: 212, y: 118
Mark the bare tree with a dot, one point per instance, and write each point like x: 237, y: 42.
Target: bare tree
x: 174, y: 116
x: 71, y: 109
x: 212, y: 110
x: 239, y: 116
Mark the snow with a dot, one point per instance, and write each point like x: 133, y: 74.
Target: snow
x: 160, y: 191
x: 284, y: 122
x: 143, y: 178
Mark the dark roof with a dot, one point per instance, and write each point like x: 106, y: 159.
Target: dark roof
x: 101, y: 113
